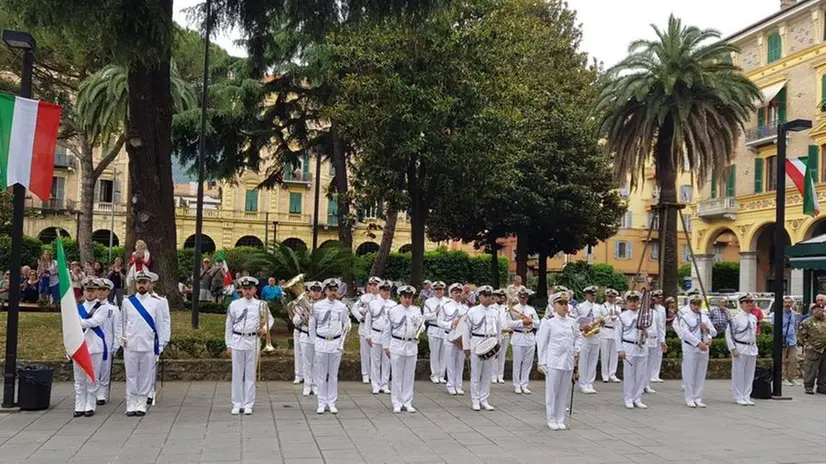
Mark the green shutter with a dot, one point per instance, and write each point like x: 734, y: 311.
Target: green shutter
x: 761, y: 117
x: 713, y: 183
x: 814, y: 153
x: 775, y: 48
x: 306, y: 167
x: 758, y: 175
x: 332, y: 211
x: 251, y: 201
x: 295, y: 203
x: 730, y: 185
x: 822, y: 92
x: 781, y: 110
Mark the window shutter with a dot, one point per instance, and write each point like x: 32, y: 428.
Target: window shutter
x: 822, y: 92
x: 306, y: 166
x: 761, y: 117
x: 730, y: 186
x: 775, y: 48
x: 781, y: 101
x: 713, y: 183
x: 251, y: 201
x: 814, y: 151
x: 629, y: 217
x: 758, y: 175
x: 629, y: 250
x: 616, y: 249
x: 97, y: 190
x: 295, y: 203
x: 116, y: 191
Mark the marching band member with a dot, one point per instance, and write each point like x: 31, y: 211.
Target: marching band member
x: 307, y: 345
x: 164, y: 331
x: 404, y: 322
x: 559, y: 341
x: 142, y: 315
x: 741, y: 338
x: 435, y: 335
x: 696, y: 332
x: 92, y: 319
x: 112, y: 330
x: 585, y: 313
x: 453, y: 356
x: 608, y: 347
x: 376, y: 321
x: 358, y: 309
x: 500, y: 304
x: 328, y: 322
x: 655, y: 353
x: 633, y: 352
x: 243, y: 327
x: 656, y: 340
x: 523, y: 341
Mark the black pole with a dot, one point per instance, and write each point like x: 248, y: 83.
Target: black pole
x: 779, y: 259
x: 317, y: 197
x: 10, y: 373
x: 199, y: 212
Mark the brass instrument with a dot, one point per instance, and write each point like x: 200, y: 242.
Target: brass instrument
x: 527, y: 322
x: 301, y: 304
x: 596, y: 326
x: 645, y: 318
x: 264, y: 311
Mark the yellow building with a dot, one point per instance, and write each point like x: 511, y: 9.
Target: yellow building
x: 785, y: 55
x: 235, y: 213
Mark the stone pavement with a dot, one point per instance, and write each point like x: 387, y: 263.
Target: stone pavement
x: 192, y: 424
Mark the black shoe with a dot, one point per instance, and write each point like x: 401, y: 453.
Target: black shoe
x: 78, y: 413
x: 131, y: 414
x: 89, y: 413
x: 149, y: 400
x: 810, y: 391
x: 140, y: 413
x: 101, y: 402
x: 822, y: 392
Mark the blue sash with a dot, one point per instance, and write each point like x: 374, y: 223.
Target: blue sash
x: 146, y: 317
x: 97, y: 330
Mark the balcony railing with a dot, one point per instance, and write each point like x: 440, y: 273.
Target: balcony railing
x: 53, y: 204
x: 718, y: 207
x: 104, y: 207
x: 257, y: 216
x: 298, y: 177
x: 762, y: 135
x: 64, y: 161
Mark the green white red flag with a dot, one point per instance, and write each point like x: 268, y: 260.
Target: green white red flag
x: 801, y: 176
x: 73, y: 339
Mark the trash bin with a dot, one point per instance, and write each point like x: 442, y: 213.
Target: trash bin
x: 34, y: 387
x: 762, y: 385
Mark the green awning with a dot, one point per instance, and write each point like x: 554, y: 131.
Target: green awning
x: 808, y: 254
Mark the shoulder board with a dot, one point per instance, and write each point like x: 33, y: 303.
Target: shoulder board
x: 156, y: 297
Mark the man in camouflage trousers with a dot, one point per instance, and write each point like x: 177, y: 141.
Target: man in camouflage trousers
x: 812, y: 336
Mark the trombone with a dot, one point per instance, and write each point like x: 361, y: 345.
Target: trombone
x: 264, y: 325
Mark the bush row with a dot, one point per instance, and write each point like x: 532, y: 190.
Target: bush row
x: 441, y: 264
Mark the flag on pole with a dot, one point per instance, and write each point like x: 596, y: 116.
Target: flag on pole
x: 227, y: 276
x: 73, y: 339
x: 802, y: 177
x: 28, y: 136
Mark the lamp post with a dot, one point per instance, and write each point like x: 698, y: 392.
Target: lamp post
x: 25, y: 42
x: 317, y: 197
x: 779, y: 249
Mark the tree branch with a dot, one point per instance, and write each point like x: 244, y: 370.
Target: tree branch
x: 107, y: 160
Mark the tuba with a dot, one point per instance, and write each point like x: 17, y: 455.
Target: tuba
x: 301, y: 304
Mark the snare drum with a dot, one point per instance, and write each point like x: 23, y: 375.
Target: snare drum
x: 488, y: 348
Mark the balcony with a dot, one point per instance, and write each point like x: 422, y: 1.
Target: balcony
x: 298, y: 177
x: 725, y: 208
x: 53, y: 204
x: 64, y: 161
x: 760, y: 136
x: 104, y: 206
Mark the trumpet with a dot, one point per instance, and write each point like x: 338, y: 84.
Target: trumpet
x: 596, y: 326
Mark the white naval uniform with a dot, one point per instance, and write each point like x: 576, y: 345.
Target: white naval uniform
x: 558, y: 341
x: 585, y: 313
x: 298, y: 358
x: 453, y: 357
x: 695, y: 361
x: 164, y: 334
x: 435, y: 336
x: 635, y: 364
x: 307, y: 349
x: 655, y: 342
x: 241, y: 336
x: 327, y: 322
x: 358, y: 309
x: 375, y: 319
x: 498, y: 371
x: 523, y: 342
x: 608, y: 345
x: 139, y: 349
x: 86, y: 388
x: 402, y: 324
x: 112, y: 329
x: 742, y: 336
x: 483, y: 322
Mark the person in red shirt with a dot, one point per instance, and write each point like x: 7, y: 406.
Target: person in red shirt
x: 758, y: 313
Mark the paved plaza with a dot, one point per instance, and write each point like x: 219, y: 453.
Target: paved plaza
x: 192, y: 424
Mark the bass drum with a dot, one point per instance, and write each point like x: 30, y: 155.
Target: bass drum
x: 455, y: 334
x: 488, y: 348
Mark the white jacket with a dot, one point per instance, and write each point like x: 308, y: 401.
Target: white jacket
x: 244, y: 322
x: 97, y: 319
x: 327, y: 322
x: 139, y: 335
x: 626, y: 335
x: 742, y: 334
x: 359, y: 308
x: 430, y: 310
x: 559, y: 341
x: 522, y: 336
x: 112, y: 328
x: 403, y: 322
x: 656, y: 334
x: 585, y: 313
x: 612, y: 312
x: 375, y: 319
x: 690, y: 332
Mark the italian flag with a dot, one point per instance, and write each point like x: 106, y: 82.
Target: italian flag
x: 227, y: 276
x: 802, y: 177
x: 28, y: 135
x: 73, y: 339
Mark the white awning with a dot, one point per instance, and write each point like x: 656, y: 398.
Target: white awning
x: 771, y: 91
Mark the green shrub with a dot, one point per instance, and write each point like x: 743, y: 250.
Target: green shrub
x: 576, y: 276
x: 31, y: 251
x: 424, y: 347
x: 238, y: 260
x: 766, y: 328
x: 725, y: 275
x: 441, y: 264
x: 185, y: 263
x: 682, y: 273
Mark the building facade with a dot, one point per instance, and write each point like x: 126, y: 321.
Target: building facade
x: 785, y: 55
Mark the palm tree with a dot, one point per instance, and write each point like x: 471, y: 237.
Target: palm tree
x: 680, y: 98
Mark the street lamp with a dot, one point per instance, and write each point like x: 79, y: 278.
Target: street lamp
x: 783, y: 129
x: 20, y: 41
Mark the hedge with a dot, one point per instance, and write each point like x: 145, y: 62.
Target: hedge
x: 441, y: 264
x: 31, y: 251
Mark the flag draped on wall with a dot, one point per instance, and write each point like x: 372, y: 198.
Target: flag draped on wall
x: 801, y: 175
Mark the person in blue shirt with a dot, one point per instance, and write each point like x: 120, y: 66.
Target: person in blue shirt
x: 790, y: 321
x: 271, y: 291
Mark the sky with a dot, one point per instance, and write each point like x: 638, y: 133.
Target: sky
x: 610, y: 25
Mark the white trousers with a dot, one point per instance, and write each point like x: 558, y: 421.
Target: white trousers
x: 634, y: 378
x: 379, y: 367
x: 244, y: 364
x: 153, y: 378
x: 557, y: 389
x: 307, y: 352
x: 364, y: 351
x: 85, y: 388
x: 694, y: 370
x: 298, y: 350
x: 436, y: 346
x: 742, y: 376
x: 480, y: 377
x: 608, y: 358
x: 522, y: 364
x: 139, y: 367
x: 588, y: 363
x: 655, y: 361
x: 404, y: 369
x: 325, y: 368
x: 104, y: 377
x: 498, y: 372
x: 453, y: 358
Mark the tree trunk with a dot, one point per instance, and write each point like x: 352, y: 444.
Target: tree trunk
x: 152, y: 207
x: 418, y: 216
x: 667, y: 181
x: 495, y: 280
x: 380, y: 263
x: 345, y: 229
x: 87, y: 203
x: 542, y: 277
x: 522, y: 257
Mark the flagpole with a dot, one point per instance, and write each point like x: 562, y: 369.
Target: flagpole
x: 24, y: 41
